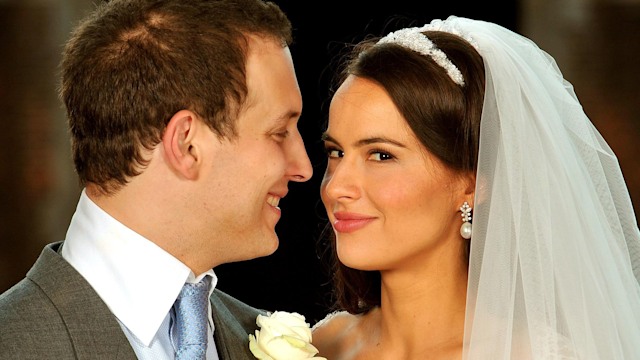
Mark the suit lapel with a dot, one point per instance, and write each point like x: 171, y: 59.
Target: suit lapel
x: 93, y: 329
x: 232, y: 340
x: 95, y: 332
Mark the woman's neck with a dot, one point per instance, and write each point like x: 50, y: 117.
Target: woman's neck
x: 422, y: 312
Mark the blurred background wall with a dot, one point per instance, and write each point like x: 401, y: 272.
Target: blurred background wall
x: 595, y: 42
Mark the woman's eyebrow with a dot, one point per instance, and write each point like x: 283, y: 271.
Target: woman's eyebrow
x: 366, y: 141
x: 377, y: 140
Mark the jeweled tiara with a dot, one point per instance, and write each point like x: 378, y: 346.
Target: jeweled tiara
x: 414, y: 39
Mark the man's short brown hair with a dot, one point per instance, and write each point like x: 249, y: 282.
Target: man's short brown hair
x: 132, y: 64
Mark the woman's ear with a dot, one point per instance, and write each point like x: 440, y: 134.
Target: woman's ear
x: 181, y: 151
x: 469, y: 181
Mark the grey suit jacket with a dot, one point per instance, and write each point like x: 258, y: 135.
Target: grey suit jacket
x: 55, y: 314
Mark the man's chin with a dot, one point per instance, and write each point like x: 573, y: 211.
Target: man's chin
x: 270, y: 245
x: 265, y: 246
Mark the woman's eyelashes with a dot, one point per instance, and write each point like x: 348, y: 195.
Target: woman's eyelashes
x: 333, y: 152
x: 380, y: 155
x: 374, y: 154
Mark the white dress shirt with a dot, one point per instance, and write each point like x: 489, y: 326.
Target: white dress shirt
x: 136, y: 279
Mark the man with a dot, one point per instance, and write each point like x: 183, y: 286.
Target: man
x: 183, y: 117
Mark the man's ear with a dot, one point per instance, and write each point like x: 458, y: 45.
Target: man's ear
x: 181, y: 151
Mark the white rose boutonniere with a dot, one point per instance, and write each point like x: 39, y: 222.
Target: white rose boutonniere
x: 282, y: 336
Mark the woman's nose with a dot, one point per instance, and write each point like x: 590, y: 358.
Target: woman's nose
x: 340, y: 181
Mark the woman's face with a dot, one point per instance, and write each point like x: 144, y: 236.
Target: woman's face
x: 390, y: 202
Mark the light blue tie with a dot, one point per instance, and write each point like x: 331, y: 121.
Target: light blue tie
x: 191, y: 326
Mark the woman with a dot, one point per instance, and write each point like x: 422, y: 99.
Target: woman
x: 429, y: 123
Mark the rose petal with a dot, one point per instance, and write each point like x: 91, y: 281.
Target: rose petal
x: 294, y: 341
x: 255, y: 349
x: 283, y: 336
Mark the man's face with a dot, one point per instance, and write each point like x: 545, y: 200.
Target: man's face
x: 249, y: 174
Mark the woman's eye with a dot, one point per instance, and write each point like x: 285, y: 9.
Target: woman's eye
x: 334, y: 153
x: 380, y: 156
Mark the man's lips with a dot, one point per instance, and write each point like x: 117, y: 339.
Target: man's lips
x: 273, y: 200
x: 347, y: 222
x: 274, y: 197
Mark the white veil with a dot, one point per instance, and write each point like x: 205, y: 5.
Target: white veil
x: 555, y: 251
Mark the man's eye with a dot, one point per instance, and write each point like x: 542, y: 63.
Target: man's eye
x: 281, y: 134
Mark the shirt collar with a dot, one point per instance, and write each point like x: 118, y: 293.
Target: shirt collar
x: 138, y: 280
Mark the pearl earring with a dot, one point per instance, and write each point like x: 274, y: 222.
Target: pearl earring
x: 465, y: 229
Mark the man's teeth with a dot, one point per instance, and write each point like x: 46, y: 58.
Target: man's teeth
x: 273, y: 200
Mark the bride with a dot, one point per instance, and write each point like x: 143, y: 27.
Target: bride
x: 476, y: 211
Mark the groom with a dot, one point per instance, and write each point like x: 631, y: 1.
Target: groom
x: 183, y: 118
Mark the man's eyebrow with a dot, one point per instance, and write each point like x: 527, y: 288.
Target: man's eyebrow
x: 286, y: 116
x: 365, y: 141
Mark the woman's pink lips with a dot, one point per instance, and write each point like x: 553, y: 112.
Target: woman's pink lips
x: 346, y: 223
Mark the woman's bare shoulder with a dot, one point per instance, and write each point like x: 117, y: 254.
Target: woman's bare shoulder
x: 336, y: 332
x: 334, y: 321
